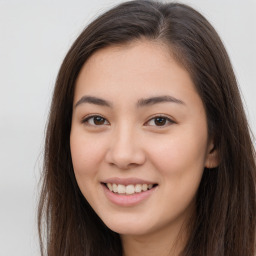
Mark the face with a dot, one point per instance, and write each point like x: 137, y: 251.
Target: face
x: 138, y: 139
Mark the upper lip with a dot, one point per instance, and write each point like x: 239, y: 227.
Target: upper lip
x: 127, y: 181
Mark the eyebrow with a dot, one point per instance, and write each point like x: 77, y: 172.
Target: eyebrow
x: 158, y: 99
x: 141, y: 103
x: 93, y: 100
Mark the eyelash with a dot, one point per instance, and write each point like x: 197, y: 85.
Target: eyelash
x: 166, y: 119
x: 92, y: 117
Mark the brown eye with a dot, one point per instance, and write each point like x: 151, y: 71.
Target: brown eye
x: 160, y: 121
x: 95, y: 121
x: 98, y: 120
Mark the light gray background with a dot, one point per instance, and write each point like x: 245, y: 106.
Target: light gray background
x: 34, y: 37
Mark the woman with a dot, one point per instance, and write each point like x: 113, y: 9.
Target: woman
x: 148, y: 149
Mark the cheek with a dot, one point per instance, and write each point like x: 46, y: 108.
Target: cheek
x: 86, y: 154
x: 179, y: 160
x: 180, y: 153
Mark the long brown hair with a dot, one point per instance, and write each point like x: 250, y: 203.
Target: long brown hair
x: 225, y: 208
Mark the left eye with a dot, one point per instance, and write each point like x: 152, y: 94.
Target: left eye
x: 159, y: 121
x: 95, y: 121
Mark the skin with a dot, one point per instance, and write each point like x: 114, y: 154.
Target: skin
x: 129, y: 142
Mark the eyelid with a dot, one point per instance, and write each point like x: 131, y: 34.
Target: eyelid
x: 88, y: 117
x: 169, y: 119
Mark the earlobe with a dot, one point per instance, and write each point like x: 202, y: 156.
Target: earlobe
x: 212, y: 159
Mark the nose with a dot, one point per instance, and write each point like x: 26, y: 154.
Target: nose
x: 126, y: 149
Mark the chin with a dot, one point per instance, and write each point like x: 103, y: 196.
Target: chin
x: 124, y: 227
x: 128, y: 230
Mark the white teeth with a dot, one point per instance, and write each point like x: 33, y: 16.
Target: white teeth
x: 144, y: 187
x: 121, y: 189
x: 129, y: 189
x: 114, y: 186
x: 138, y: 188
x: 109, y: 187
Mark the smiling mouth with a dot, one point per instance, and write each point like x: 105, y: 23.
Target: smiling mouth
x: 129, y: 189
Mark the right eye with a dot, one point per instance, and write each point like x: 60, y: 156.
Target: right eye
x: 95, y: 121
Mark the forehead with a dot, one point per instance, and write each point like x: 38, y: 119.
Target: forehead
x: 149, y: 49
x: 138, y: 65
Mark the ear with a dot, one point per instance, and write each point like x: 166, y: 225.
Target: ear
x: 212, y: 159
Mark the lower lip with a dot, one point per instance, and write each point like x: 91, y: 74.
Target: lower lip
x: 127, y: 200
